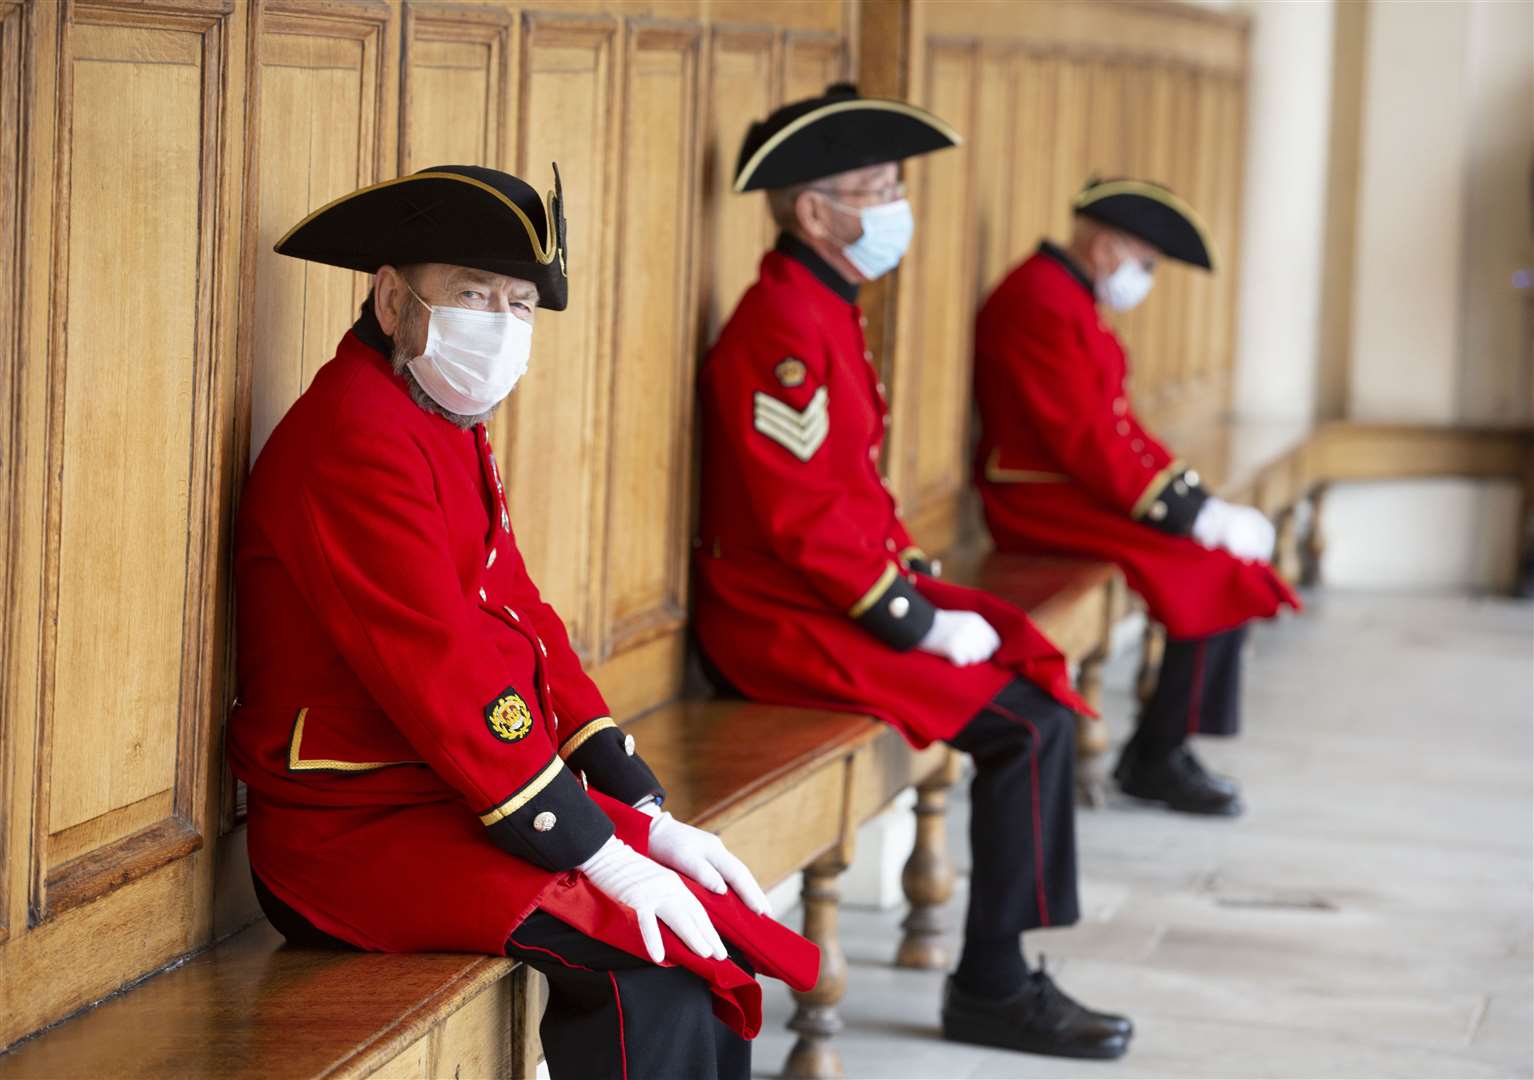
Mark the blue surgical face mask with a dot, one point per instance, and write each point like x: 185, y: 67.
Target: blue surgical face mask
x: 887, y: 231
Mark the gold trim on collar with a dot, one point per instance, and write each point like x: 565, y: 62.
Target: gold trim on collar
x: 544, y: 256
x: 525, y: 794
x: 799, y: 124
x: 997, y: 475
x: 296, y: 762
x: 880, y: 587
x: 1154, y: 489
x: 584, y: 732
x: 1155, y: 193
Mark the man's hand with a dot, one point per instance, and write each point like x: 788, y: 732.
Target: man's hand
x: 657, y: 896
x: 1240, y: 530
x: 703, y: 857
x: 962, y: 636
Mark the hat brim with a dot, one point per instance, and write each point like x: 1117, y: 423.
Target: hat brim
x: 841, y: 136
x: 1152, y: 214
x: 433, y: 217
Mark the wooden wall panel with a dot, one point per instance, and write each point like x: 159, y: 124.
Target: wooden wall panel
x: 554, y: 428
x: 811, y: 62
x: 743, y: 65
x: 457, y: 105
x: 305, y: 157
x: 648, y: 461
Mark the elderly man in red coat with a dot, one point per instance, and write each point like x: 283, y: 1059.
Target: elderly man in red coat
x: 429, y: 767
x: 811, y: 592
x: 1064, y: 466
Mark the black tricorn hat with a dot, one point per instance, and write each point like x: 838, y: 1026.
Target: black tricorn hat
x: 465, y: 215
x: 833, y: 133
x: 1150, y: 212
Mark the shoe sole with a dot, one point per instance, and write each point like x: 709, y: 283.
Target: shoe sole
x: 958, y: 1031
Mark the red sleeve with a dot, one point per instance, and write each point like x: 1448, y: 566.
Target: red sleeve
x: 367, y: 549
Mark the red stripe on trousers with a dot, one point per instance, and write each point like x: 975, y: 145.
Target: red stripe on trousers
x: 623, y: 1050
x: 1038, y: 827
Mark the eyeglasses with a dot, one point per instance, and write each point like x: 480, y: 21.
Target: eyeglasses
x: 886, y: 193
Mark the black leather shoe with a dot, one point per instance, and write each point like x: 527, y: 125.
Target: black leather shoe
x: 1040, y: 1019
x: 1179, y: 780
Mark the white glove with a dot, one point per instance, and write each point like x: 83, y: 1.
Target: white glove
x: 1240, y: 530
x: 703, y: 857
x: 962, y: 636
x: 654, y: 893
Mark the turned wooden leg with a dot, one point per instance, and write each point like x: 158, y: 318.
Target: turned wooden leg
x: 815, y: 1019
x: 1286, y: 545
x: 1313, y: 544
x: 1150, y: 662
x: 527, y: 988
x: 1092, y: 739
x: 928, y: 877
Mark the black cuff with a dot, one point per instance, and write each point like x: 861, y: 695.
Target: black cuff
x: 898, y: 615
x: 550, y: 822
x: 607, y: 758
x: 1176, y: 506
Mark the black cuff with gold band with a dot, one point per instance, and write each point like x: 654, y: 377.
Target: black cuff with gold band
x: 894, y: 612
x: 1172, y: 500
x: 601, y: 750
x: 914, y: 558
x: 550, y: 821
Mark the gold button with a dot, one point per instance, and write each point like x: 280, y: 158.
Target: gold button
x: 491, y: 560
x: 1120, y: 406
x: 544, y: 821
x: 900, y: 607
x: 1147, y: 461
x: 1158, y: 510
x: 1122, y: 427
x: 482, y: 595
x: 505, y: 521
x: 889, y: 543
x: 937, y: 567
x: 1179, y: 487
x: 507, y: 609
x: 1191, y: 476
x: 868, y: 355
x: 628, y: 745
x: 1137, y: 445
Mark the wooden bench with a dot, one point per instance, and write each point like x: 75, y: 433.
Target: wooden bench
x: 786, y: 788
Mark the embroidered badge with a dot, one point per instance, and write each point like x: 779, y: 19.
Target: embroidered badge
x: 508, y: 717
x: 799, y: 431
x: 790, y: 372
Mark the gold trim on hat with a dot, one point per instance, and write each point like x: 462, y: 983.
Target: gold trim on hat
x: 800, y: 123
x: 1154, y: 192
x: 544, y: 256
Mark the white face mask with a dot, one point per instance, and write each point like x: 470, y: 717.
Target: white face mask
x: 1126, y: 286
x: 887, y: 231
x: 472, y: 358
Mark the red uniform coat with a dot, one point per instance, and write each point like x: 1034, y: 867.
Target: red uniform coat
x: 414, y: 726
x: 807, y: 581
x: 1065, y: 467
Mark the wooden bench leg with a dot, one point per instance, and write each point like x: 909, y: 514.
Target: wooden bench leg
x: 526, y: 1013
x: 815, y: 1019
x: 928, y: 877
x: 1150, y: 662
x: 1092, y: 738
x: 1313, y: 544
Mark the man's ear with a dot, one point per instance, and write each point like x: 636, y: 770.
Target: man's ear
x: 389, y: 296
x: 809, y: 212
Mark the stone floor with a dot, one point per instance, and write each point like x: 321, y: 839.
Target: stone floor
x: 1370, y: 916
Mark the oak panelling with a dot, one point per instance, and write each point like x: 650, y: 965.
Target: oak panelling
x: 743, y: 66
x: 811, y: 62
x: 995, y: 167
x: 457, y: 99
x: 648, y: 462
x: 341, y: 55
x: 933, y: 397
x: 555, y: 427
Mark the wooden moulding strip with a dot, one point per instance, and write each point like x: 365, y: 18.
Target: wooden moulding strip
x: 108, y: 868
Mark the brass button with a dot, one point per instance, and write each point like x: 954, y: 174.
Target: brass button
x: 491, y: 560
x: 900, y: 607
x: 628, y: 745
x: 890, y: 543
x: 1191, y: 476
x: 482, y: 595
x: 1120, y: 405
x: 1179, y: 487
x: 505, y: 521
x: 507, y: 609
x: 545, y: 821
x: 1147, y: 461
x: 868, y: 354
x: 1137, y: 445
x: 1158, y: 510
x: 1122, y: 427
x: 937, y: 567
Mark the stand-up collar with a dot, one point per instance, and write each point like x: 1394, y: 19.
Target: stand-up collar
x: 1063, y: 257
x: 804, y: 255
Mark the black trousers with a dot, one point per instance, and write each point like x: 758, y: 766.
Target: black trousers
x: 610, y: 1015
x: 1198, y: 691
x: 1022, y: 824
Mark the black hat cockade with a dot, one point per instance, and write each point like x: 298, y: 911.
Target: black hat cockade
x: 1150, y: 212
x: 466, y: 215
x: 834, y: 133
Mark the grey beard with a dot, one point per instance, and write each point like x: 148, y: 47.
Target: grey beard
x: 400, y: 360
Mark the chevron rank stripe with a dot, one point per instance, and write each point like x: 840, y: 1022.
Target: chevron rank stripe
x: 800, y: 432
